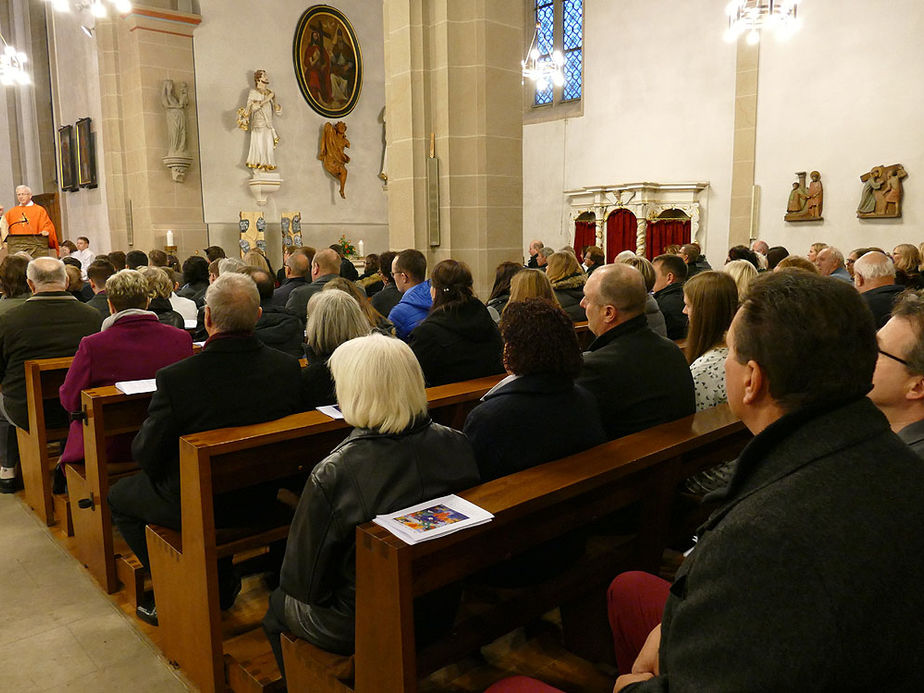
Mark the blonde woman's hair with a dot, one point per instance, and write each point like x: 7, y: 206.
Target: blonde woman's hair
x: 561, y: 265
x: 374, y: 317
x: 159, y: 284
x: 254, y: 258
x: 334, y: 317
x: 742, y: 272
x: 379, y: 382
x: 908, y: 258
x: 643, y: 265
x: 531, y: 283
x: 127, y: 289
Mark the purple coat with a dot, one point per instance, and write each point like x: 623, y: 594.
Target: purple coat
x: 134, y: 348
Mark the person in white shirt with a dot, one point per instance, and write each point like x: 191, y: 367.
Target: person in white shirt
x: 84, y: 254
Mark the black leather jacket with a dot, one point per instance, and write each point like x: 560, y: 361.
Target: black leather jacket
x: 368, y: 474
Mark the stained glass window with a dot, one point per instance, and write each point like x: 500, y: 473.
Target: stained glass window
x: 561, y: 28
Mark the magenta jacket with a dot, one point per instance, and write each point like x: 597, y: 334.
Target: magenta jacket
x: 135, y: 347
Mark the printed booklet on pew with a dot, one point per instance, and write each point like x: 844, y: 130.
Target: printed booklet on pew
x: 434, y: 518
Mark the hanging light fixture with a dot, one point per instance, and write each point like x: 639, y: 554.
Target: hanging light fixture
x: 543, y: 70
x: 753, y: 17
x: 12, y: 65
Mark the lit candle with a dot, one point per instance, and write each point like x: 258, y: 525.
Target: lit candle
x: 361, y: 253
x: 170, y: 238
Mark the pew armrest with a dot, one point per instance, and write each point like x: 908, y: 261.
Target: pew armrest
x: 309, y: 668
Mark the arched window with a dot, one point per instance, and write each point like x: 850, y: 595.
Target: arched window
x: 560, y: 28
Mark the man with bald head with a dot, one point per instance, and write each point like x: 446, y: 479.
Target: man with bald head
x: 639, y: 378
x: 297, y: 268
x: 324, y: 267
x: 50, y: 324
x: 874, y: 278
x: 830, y: 263
x: 235, y: 380
x: 27, y: 226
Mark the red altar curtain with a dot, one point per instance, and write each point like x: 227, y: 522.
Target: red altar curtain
x: 661, y: 234
x: 621, y: 228
x: 585, y: 234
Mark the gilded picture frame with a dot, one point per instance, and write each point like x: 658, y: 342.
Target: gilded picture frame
x: 328, y: 61
x: 86, y: 154
x: 67, y: 172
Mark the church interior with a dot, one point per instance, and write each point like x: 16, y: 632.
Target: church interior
x: 664, y: 132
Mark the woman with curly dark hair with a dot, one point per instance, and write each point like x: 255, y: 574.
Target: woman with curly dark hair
x: 542, y: 356
x: 459, y: 339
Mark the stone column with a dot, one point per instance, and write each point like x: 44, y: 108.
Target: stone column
x: 742, y: 190
x: 136, y: 54
x: 453, y: 69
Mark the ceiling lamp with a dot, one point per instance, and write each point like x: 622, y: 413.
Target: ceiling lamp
x: 752, y: 17
x: 544, y: 70
x: 12, y: 65
x: 95, y: 7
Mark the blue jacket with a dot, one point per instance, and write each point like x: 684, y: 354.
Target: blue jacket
x: 413, y: 307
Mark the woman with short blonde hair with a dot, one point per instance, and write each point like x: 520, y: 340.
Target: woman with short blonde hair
x: 395, y: 457
x: 254, y: 258
x: 531, y: 283
x: 743, y: 272
x: 907, y: 261
x: 160, y: 287
x: 568, y: 281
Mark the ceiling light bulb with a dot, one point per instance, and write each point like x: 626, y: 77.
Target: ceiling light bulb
x: 97, y: 9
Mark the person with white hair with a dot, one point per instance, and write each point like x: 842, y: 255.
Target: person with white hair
x: 874, y: 278
x: 830, y: 263
x: 235, y: 380
x: 50, y: 324
x: 394, y: 457
x: 27, y: 226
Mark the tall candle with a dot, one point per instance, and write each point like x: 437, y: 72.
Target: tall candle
x: 170, y: 238
x: 361, y: 253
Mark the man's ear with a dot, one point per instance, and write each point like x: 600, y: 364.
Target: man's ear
x: 756, y: 385
x: 207, y: 318
x: 916, y: 391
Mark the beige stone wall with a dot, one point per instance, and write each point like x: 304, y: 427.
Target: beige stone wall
x: 741, y: 214
x: 453, y: 70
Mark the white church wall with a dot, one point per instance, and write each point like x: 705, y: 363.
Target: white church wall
x: 842, y: 95
x: 236, y: 38
x: 658, y: 106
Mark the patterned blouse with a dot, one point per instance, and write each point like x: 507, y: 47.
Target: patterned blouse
x: 709, y: 378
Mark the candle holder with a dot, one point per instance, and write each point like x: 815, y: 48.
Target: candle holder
x: 170, y: 249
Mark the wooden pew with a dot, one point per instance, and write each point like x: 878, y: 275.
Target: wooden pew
x: 108, y: 412
x: 584, y: 335
x: 43, y: 378
x: 184, y: 564
x: 531, y: 507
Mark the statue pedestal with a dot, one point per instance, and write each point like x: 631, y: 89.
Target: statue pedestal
x: 263, y: 184
x: 178, y: 164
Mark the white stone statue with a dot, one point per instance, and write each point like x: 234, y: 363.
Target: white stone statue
x: 257, y: 116
x: 175, y: 100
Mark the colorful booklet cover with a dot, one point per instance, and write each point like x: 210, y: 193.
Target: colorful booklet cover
x: 433, y: 518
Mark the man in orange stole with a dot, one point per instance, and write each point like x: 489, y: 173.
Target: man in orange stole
x: 30, y: 222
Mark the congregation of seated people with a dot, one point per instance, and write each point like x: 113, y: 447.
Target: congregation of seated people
x: 820, y: 356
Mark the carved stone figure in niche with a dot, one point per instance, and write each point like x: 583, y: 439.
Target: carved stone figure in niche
x: 257, y: 116
x: 175, y: 99
x: 333, y: 142
x: 882, y: 192
x: 805, y: 203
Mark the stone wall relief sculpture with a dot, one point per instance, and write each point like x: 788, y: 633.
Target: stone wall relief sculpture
x: 882, y: 193
x: 256, y: 116
x: 252, y: 226
x: 806, y: 202
x: 331, y: 152
x: 175, y: 98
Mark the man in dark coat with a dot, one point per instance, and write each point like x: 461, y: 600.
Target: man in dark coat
x: 297, y: 269
x: 324, y: 267
x: 48, y: 325
x: 389, y: 296
x: 670, y: 273
x: 874, y: 278
x: 638, y: 378
x: 234, y: 381
x: 801, y: 577
x: 276, y: 328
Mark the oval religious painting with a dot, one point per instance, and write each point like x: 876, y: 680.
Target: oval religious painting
x: 328, y: 61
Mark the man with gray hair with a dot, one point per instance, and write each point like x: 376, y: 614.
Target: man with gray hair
x: 235, y: 380
x: 639, y: 378
x: 542, y: 257
x: 830, y: 263
x: 27, y: 226
x: 874, y: 278
x: 50, y: 324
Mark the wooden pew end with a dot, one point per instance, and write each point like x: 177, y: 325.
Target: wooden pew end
x: 310, y: 668
x: 250, y: 666
x: 133, y: 577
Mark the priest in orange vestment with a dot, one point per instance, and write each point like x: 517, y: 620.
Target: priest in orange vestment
x: 28, y: 219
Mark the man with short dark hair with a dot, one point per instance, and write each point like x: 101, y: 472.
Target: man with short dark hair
x: 276, y: 328
x: 97, y: 274
x: 409, y: 269
x: 347, y: 270
x: 297, y: 268
x: 83, y: 254
x: 157, y: 258
x: 388, y: 297
x: 214, y: 252
x: 805, y: 564
x: 874, y: 278
x: 50, y: 324
x: 593, y: 258
x: 135, y: 259
x: 324, y: 267
x: 670, y: 273
x: 234, y: 381
x: 694, y: 259
x: 639, y: 378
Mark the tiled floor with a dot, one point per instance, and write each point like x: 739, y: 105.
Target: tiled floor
x: 58, y: 631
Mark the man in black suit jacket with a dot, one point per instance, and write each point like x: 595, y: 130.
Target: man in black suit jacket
x: 639, y: 378
x: 234, y: 381
x: 48, y: 325
x: 324, y: 267
x: 670, y: 273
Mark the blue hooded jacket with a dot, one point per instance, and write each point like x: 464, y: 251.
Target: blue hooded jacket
x: 413, y: 307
